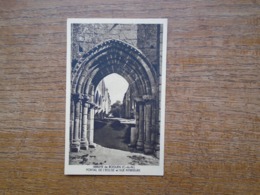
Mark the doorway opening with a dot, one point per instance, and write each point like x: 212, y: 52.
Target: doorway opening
x: 112, y: 126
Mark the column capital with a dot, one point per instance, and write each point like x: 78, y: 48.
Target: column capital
x: 85, y: 98
x: 148, y: 98
x: 144, y: 98
x: 91, y: 104
x: 76, y: 96
x: 97, y: 107
x: 139, y: 100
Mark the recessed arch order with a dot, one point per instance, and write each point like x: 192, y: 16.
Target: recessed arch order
x: 114, y: 56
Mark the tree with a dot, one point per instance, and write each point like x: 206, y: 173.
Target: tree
x: 116, y: 109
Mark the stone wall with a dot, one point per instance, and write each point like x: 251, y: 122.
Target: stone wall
x: 102, y: 100
x: 86, y: 36
x: 128, y: 105
x: 145, y: 37
x: 148, y: 41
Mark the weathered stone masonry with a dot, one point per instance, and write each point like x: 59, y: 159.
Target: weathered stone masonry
x: 136, y: 57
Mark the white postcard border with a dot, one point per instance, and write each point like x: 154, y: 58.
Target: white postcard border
x: 157, y: 170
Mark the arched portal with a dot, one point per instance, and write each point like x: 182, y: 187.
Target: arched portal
x: 113, y: 56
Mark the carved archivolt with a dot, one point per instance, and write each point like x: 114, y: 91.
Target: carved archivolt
x: 114, y: 56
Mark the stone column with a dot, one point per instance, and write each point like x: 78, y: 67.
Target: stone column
x: 91, y: 119
x: 157, y: 129
x: 91, y: 128
x: 75, y: 146
x: 88, y: 124
x: 157, y: 146
x: 134, y: 132
x: 153, y: 127
x: 133, y: 137
x: 72, y: 113
x: 148, y: 148
x: 84, y: 141
x: 80, y: 119
x: 140, y: 141
x: 128, y: 107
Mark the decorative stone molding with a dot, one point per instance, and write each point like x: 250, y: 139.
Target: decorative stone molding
x: 114, y: 56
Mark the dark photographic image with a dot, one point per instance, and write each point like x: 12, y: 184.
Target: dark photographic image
x: 115, y: 101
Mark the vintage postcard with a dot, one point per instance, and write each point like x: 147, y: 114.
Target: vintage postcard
x: 115, y: 98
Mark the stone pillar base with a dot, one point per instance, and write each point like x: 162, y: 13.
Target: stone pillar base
x: 75, y: 147
x: 131, y: 145
x: 157, y: 151
x: 140, y: 145
x: 133, y: 137
x: 83, y: 145
x: 92, y: 145
x: 148, y: 149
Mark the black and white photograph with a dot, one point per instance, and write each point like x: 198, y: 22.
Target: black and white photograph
x: 115, y: 96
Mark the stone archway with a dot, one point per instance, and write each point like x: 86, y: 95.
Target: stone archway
x: 114, y: 56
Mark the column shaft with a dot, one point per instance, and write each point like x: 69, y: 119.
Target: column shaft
x: 135, y: 130
x: 75, y: 146
x: 80, y: 120
x: 91, y: 128
x: 84, y: 140
x: 147, y: 127
x: 72, y: 113
x: 140, y: 142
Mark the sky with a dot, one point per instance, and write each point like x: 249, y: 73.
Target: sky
x: 116, y: 86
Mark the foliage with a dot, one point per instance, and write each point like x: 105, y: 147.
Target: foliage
x: 116, y: 109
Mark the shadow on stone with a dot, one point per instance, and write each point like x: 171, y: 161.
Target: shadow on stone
x: 99, y: 124
x: 116, y: 125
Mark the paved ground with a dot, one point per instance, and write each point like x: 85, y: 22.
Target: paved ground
x: 106, y: 156
x: 112, y: 139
